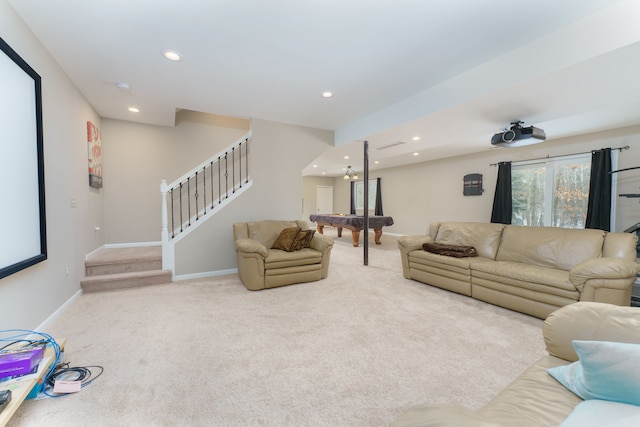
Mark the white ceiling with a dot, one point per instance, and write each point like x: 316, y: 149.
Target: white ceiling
x: 453, y: 72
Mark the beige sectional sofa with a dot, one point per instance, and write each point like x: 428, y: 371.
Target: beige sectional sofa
x: 261, y: 267
x: 533, y: 270
x: 535, y: 398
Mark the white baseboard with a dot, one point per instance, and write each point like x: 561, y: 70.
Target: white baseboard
x: 59, y: 311
x: 204, y: 274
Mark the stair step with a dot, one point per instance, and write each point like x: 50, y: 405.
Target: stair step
x: 124, y: 266
x: 124, y: 260
x: 109, y: 282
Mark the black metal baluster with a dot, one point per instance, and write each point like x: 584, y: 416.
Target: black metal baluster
x: 226, y: 176
x: 213, y: 200
x: 233, y: 168
x: 196, y: 197
x: 173, y: 229
x: 219, y: 181
x: 181, y: 220
x: 240, y: 163
x: 189, y: 200
x: 204, y: 189
x: 246, y: 158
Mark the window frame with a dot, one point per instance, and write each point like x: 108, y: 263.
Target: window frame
x: 550, y: 164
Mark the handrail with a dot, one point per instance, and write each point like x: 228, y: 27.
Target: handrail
x: 184, y: 177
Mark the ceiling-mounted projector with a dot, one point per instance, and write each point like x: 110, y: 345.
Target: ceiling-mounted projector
x: 517, y: 136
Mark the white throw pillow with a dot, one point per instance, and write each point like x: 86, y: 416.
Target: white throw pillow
x: 602, y: 413
x: 606, y: 370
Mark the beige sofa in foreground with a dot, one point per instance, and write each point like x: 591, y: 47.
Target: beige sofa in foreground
x: 535, y: 398
x: 533, y: 270
x: 261, y: 267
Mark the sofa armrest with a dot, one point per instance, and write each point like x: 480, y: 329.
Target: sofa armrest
x: 320, y: 242
x: 323, y: 244
x: 408, y: 244
x: 251, y: 246
x: 602, y: 268
x: 411, y: 243
x: 593, y: 321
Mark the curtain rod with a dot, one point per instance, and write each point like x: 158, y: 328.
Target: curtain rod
x: 626, y: 147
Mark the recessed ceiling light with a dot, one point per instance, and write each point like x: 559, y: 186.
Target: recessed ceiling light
x: 346, y: 157
x: 377, y: 162
x: 124, y: 86
x: 171, y: 55
x: 134, y: 109
x: 315, y: 166
x: 416, y: 154
x: 416, y: 138
x: 327, y: 94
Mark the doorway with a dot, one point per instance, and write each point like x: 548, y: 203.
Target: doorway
x: 324, y: 199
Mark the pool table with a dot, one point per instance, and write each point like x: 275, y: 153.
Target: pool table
x: 355, y: 223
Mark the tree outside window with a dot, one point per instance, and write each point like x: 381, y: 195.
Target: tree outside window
x: 553, y: 193
x: 359, y: 194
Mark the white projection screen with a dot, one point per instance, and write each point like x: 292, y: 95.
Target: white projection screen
x: 22, y: 212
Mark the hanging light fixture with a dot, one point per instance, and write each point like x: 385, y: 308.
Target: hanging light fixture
x: 350, y: 173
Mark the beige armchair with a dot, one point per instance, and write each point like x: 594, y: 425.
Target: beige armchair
x: 260, y: 266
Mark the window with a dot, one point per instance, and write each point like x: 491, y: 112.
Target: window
x: 551, y: 192
x: 359, y: 194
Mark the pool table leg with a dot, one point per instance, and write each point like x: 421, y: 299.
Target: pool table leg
x: 320, y: 228
x: 378, y: 234
x: 355, y: 235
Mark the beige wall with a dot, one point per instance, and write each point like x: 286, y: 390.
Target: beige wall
x: 136, y: 157
x: 277, y: 163
x: 32, y: 295
x: 422, y: 193
x: 309, y: 194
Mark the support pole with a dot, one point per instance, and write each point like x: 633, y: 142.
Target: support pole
x: 366, y: 203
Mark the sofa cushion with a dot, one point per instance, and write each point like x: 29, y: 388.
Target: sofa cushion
x: 485, y: 237
x: 605, y: 370
x: 444, y: 262
x: 280, y: 259
x: 587, y: 320
x: 532, y: 399
x: 620, y: 245
x: 526, y: 274
x: 303, y: 240
x: 266, y: 232
x: 550, y: 247
x: 286, y: 239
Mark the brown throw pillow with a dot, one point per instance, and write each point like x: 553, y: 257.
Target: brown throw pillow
x: 286, y: 239
x: 450, y: 250
x: 303, y: 239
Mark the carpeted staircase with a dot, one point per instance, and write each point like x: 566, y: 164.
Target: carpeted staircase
x: 120, y: 268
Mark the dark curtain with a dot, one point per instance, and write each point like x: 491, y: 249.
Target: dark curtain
x: 352, y: 210
x: 378, y: 211
x: 599, y: 208
x: 502, y: 200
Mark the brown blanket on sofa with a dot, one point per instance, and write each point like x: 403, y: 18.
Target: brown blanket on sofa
x: 450, y: 250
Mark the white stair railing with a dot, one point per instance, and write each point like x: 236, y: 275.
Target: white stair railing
x: 200, y: 193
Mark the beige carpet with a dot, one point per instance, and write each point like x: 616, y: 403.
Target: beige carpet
x: 352, y: 350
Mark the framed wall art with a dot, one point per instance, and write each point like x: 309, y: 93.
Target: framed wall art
x: 94, y: 142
